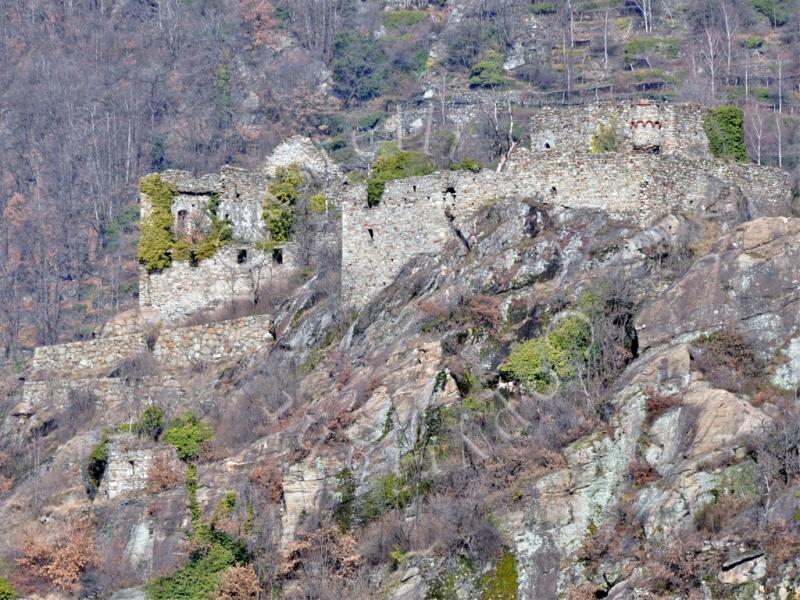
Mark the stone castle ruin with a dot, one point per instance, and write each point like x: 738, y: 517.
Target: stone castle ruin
x: 660, y: 163
x: 239, y: 270
x: 660, y: 160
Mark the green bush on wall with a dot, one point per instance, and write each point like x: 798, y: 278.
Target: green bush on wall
x: 155, y: 239
x: 605, y: 138
x: 279, y: 205
x: 96, y: 463
x: 466, y: 164
x: 393, y: 163
x: 151, y: 423
x: 724, y: 128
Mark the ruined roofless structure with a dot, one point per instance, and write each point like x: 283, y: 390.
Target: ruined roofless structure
x: 661, y: 163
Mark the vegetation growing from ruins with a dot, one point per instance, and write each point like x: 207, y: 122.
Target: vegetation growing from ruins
x: 317, y: 204
x: 151, y: 423
x: 155, y: 239
x: 724, y: 127
x: 279, y: 206
x: 222, y: 82
x: 96, y: 464
x: 158, y: 245
x: 466, y: 164
x: 605, y: 138
x: 743, y: 55
x: 393, y: 163
x: 188, y: 434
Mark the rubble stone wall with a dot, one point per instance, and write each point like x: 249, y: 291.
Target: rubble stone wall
x: 128, y: 464
x: 676, y: 129
x: 418, y: 215
x: 234, y: 273
x: 89, y: 357
x: 212, y: 343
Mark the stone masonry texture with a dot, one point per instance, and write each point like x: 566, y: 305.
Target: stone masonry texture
x: 662, y: 164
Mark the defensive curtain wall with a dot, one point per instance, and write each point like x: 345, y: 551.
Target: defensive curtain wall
x: 661, y: 163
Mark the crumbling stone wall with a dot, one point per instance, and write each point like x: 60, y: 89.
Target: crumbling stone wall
x: 312, y: 160
x: 418, y: 215
x: 81, y: 362
x: 128, y: 464
x: 234, y: 273
x: 115, y: 397
x: 56, y: 393
x: 675, y: 129
x: 213, y: 342
x: 89, y: 357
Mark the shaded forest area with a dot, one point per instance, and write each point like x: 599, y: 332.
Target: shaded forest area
x: 96, y: 93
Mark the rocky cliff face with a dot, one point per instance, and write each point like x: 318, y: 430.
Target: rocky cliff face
x: 392, y: 452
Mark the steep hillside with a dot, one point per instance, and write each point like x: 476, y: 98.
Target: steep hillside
x: 586, y: 393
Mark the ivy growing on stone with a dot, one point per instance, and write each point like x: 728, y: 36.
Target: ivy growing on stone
x: 724, y: 128
x: 155, y: 240
x: 157, y: 245
x: 279, y: 205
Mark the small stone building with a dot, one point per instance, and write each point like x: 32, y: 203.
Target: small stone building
x: 237, y: 271
x: 129, y: 460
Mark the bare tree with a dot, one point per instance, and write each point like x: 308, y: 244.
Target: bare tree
x: 754, y: 125
x: 316, y: 23
x: 500, y: 125
x: 731, y: 25
x: 645, y: 8
x: 710, y: 55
